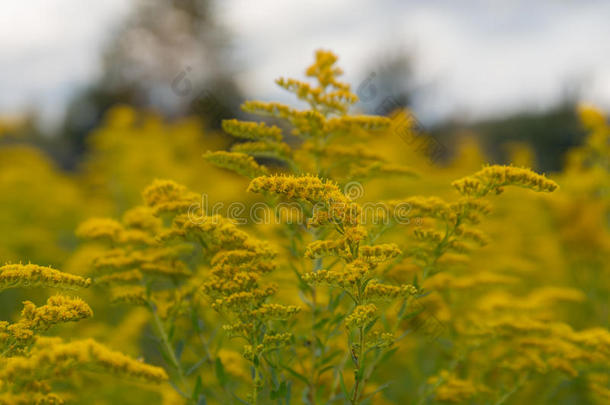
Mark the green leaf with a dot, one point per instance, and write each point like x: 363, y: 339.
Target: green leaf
x: 197, y: 390
x: 179, y: 349
x: 240, y: 400
x: 195, y: 321
x: 370, y: 325
x: 363, y: 286
x: 166, y: 357
x: 387, y: 355
x: 279, y: 392
x: 220, y: 373
x: 170, y: 333
x: 329, y: 357
x: 342, y: 383
x: 325, y: 369
x: 381, y: 388
x: 318, y: 325
x: 288, y: 394
x: 334, y: 302
x: 194, y: 367
x: 296, y: 374
x: 402, y: 310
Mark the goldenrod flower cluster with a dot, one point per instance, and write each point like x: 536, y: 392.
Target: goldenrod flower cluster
x: 240, y: 163
x: 31, y: 275
x: 209, y: 262
x: 29, y: 363
x: 27, y: 378
x: 252, y: 130
x: 357, y: 278
x: 438, y: 299
x: 235, y: 290
x: 451, y: 388
x: 495, y: 178
x: 361, y: 316
x: 323, y: 130
x: 167, y: 196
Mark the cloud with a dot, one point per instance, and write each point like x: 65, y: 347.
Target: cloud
x: 483, y: 58
x: 49, y: 48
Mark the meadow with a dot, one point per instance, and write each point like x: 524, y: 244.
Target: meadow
x: 309, y: 255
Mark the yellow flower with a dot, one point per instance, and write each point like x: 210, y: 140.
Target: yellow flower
x: 495, y: 178
x: 129, y: 294
x: 52, y: 358
x: 336, y: 101
x: 379, y: 253
x: 216, y: 231
x: 100, y: 228
x: 361, y: 316
x: 167, y: 196
x: 479, y: 279
x: 275, y: 311
x: 31, y: 275
x: 322, y: 248
x: 58, y: 309
x: 377, y: 291
x: 30, y: 398
x: 274, y: 341
x: 432, y: 207
x: 450, y: 388
x: 129, y: 276
x: 310, y: 188
x: 237, y: 162
x: 591, y: 117
x: 349, y: 123
x: 233, y: 363
x: 252, y: 130
x: 324, y: 70
x: 264, y: 149
x: 141, y: 218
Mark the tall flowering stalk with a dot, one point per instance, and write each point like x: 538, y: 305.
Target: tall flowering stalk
x: 193, y: 272
x: 322, y: 131
x: 344, y: 256
x: 356, y: 278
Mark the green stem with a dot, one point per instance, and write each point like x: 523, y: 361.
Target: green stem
x: 359, y: 366
x: 167, y: 347
x: 255, y: 387
x: 509, y: 393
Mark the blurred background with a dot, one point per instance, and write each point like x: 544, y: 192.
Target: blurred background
x: 100, y: 98
x: 501, y: 71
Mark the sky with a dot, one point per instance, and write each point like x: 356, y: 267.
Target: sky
x: 475, y: 59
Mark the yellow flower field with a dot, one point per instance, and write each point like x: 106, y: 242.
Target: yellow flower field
x: 310, y: 255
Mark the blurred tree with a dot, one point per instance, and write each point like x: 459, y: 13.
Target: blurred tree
x: 169, y: 56
x: 389, y: 84
x: 551, y: 133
